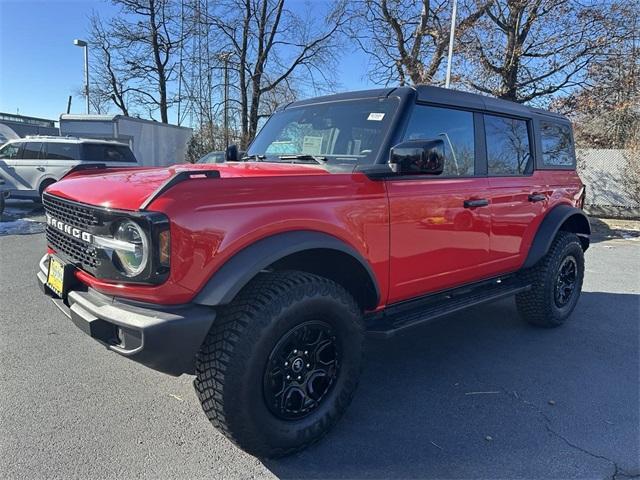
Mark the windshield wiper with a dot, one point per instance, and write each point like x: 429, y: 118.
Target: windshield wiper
x: 305, y: 158
x: 256, y: 157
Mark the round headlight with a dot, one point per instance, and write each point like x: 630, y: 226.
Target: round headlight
x: 133, y: 260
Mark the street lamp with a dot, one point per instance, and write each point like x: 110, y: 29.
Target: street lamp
x: 452, y: 36
x: 83, y: 44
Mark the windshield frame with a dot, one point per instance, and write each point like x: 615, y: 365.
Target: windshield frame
x: 327, y: 160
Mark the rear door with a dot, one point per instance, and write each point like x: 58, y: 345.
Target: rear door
x: 518, y: 194
x: 436, y: 241
x: 28, y: 167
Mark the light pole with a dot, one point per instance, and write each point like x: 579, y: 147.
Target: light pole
x: 83, y: 44
x: 452, y: 35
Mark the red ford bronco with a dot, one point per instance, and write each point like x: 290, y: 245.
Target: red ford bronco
x: 352, y: 214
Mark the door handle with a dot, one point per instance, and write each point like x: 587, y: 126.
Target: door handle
x: 40, y: 168
x: 537, y: 197
x: 480, y: 202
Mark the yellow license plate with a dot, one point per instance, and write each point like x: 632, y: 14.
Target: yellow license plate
x: 55, y: 278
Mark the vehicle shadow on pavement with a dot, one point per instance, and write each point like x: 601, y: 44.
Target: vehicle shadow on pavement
x: 602, y: 231
x: 484, y: 395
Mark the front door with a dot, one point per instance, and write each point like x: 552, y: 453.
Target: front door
x: 8, y: 155
x: 440, y: 225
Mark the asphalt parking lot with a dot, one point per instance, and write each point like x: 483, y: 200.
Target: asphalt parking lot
x: 475, y: 395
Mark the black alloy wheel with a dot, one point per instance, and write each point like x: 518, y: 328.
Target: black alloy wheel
x: 301, y: 370
x: 566, y: 281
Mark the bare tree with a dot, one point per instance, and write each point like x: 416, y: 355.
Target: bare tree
x: 273, y: 45
x: 407, y: 40
x: 606, y: 109
x: 138, y: 49
x: 524, y: 50
x: 110, y: 78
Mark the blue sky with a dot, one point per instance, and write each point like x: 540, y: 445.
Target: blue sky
x: 40, y: 67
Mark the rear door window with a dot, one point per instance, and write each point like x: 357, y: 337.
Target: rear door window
x: 557, y: 146
x: 454, y: 127
x: 508, y: 146
x: 96, y: 152
x: 61, y: 151
x: 32, y: 151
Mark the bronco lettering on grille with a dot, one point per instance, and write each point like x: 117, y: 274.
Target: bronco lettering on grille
x: 69, y: 229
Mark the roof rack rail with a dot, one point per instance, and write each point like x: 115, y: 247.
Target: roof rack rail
x: 56, y: 137
x: 177, y: 178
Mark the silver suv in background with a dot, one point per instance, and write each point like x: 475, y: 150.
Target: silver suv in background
x: 29, y: 165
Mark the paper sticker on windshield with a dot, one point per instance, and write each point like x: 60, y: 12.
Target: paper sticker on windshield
x: 311, y: 145
x: 375, y: 116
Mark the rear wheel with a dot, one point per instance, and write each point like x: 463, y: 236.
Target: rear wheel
x: 556, y: 283
x: 282, y: 362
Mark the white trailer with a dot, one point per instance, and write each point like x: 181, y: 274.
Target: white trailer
x: 153, y: 143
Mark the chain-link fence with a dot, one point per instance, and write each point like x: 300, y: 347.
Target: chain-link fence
x: 613, y: 182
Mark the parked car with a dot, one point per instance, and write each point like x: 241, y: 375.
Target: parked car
x: 367, y: 212
x: 29, y: 165
x: 217, y: 157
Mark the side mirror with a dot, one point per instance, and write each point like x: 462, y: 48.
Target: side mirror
x: 231, y: 154
x: 425, y: 157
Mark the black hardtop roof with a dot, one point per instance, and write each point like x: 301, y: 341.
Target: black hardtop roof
x: 439, y: 96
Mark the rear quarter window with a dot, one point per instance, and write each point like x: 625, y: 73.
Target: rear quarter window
x: 107, y: 153
x: 557, y: 145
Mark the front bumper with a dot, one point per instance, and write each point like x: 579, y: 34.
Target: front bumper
x: 164, y: 338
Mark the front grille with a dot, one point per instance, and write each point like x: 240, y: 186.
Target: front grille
x: 83, y: 217
x: 68, y: 212
x: 76, y: 250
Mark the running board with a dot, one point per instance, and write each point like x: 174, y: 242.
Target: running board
x: 405, y: 315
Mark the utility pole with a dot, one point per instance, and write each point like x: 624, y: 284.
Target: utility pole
x: 83, y: 44
x: 225, y: 56
x: 452, y: 35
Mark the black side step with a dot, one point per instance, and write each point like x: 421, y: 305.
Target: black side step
x: 399, y: 317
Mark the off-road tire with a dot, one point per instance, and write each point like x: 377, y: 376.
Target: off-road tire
x: 231, y: 364
x: 538, y: 305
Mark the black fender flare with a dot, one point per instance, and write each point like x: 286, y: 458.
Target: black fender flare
x: 550, y: 226
x: 236, y: 272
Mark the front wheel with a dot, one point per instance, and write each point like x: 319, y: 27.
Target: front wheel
x: 556, y: 283
x: 281, y: 363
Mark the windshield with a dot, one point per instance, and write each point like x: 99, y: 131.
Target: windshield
x: 347, y: 132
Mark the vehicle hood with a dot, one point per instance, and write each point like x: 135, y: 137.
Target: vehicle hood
x: 129, y: 188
